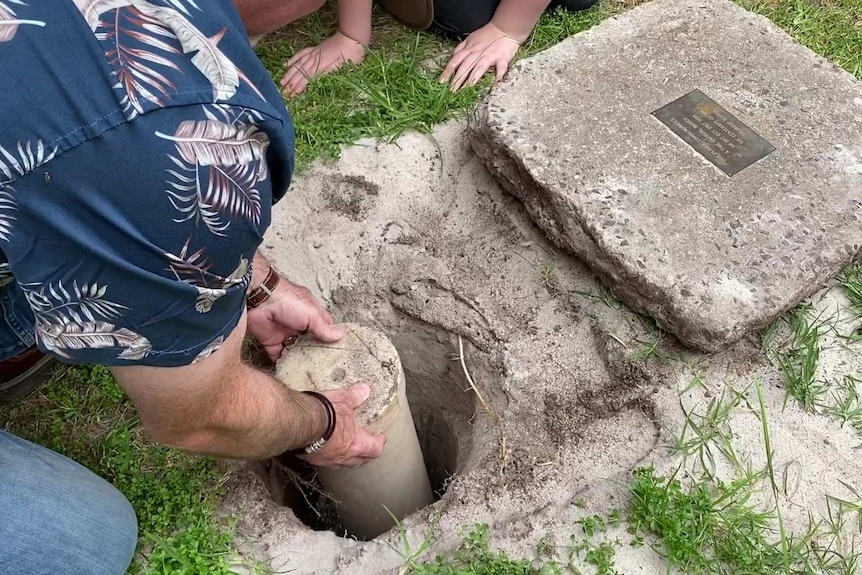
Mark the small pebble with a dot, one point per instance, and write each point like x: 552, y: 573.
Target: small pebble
x: 317, y: 244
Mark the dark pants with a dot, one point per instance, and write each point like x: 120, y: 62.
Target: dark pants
x: 457, y: 19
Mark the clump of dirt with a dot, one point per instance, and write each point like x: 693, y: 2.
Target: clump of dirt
x: 350, y: 196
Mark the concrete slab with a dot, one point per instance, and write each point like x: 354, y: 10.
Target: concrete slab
x: 573, y: 134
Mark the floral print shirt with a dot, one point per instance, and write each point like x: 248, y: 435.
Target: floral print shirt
x: 142, y: 144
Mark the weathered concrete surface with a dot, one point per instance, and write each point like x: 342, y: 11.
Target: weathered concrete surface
x: 710, y: 257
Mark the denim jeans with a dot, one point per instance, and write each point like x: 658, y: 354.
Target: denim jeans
x: 58, y: 518
x: 17, y: 333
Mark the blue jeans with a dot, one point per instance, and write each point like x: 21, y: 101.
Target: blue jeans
x: 17, y: 333
x: 58, y: 518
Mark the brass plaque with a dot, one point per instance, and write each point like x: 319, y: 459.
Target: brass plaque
x: 713, y: 132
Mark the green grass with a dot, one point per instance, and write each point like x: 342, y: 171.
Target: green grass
x: 475, y: 557
x: 847, y: 405
x: 770, y: 469
x: 832, y: 28
x: 706, y: 433
x: 393, y: 91
x: 682, y: 519
x: 707, y: 527
x: 396, y: 89
x: 800, y: 358
x: 582, y: 556
x: 805, y: 334
x: 85, y: 416
x: 851, y: 281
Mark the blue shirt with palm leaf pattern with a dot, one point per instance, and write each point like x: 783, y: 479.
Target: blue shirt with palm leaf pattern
x: 142, y: 146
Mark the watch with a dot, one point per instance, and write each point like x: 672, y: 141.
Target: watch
x: 263, y: 292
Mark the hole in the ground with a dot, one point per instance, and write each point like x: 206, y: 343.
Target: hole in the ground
x: 294, y: 483
x: 443, y: 413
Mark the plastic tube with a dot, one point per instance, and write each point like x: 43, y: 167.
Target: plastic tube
x: 397, y: 482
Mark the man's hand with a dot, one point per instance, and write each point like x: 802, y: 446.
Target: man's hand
x: 350, y: 445
x: 220, y: 407
x: 486, y: 48
x: 309, y: 63
x: 291, y: 311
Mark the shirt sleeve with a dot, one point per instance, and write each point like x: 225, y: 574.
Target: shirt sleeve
x: 135, y: 248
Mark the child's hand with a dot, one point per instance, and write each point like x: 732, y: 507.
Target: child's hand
x: 309, y: 63
x: 486, y: 48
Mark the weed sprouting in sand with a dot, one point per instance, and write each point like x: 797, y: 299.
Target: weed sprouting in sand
x: 847, y: 405
x: 851, y: 281
x: 548, y: 273
x: 800, y: 358
x: 707, y: 433
x: 474, y: 556
x: 705, y: 527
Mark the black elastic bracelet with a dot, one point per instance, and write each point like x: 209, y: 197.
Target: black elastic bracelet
x: 317, y: 444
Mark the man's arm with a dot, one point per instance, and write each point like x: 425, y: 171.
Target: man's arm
x: 221, y: 407
x: 264, y: 16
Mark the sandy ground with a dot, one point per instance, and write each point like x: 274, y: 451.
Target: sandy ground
x: 417, y: 239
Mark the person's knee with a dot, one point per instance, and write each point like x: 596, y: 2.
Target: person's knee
x: 262, y: 17
x: 58, y: 517
x: 104, y: 542
x: 121, y: 534
x: 104, y: 535
x: 574, y: 5
x: 458, y: 22
x: 307, y: 7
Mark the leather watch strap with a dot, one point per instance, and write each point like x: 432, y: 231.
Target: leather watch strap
x: 263, y: 292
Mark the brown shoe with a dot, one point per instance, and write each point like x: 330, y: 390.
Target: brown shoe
x: 23, y: 374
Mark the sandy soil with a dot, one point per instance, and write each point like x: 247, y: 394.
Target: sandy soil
x: 415, y: 238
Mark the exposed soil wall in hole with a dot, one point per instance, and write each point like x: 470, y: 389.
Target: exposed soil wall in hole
x: 444, y: 410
